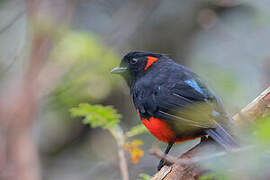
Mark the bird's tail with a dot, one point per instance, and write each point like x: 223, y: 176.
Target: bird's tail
x: 222, y: 137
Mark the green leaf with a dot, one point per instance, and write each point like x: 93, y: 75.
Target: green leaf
x: 136, y: 130
x: 84, y: 63
x: 213, y: 176
x: 97, y: 115
x: 262, y: 130
x: 144, y: 177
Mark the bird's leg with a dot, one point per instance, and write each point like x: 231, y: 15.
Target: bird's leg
x: 203, y: 139
x: 162, y: 161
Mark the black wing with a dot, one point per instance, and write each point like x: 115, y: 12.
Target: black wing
x: 187, y: 101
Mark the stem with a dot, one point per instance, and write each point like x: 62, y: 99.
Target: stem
x: 118, y: 135
x: 123, y: 163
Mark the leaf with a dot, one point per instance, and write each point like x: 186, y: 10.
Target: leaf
x: 213, y: 176
x: 97, y: 115
x: 136, y: 142
x: 136, y: 130
x: 262, y: 130
x: 144, y: 177
x: 135, y: 152
x: 83, y: 63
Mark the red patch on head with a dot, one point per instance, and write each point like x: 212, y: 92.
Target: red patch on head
x: 150, y: 61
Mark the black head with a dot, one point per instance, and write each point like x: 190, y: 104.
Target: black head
x: 135, y: 64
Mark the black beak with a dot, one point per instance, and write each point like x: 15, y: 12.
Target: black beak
x: 118, y: 70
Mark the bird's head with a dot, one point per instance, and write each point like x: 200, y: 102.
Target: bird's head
x: 135, y: 64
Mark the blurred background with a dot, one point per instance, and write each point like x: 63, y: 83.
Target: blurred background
x: 56, y: 54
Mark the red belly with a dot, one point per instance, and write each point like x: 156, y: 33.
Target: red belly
x: 159, y: 129
x: 162, y: 132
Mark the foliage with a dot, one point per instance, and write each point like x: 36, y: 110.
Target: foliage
x: 212, y: 176
x: 262, y: 131
x: 253, y: 157
x: 136, y: 130
x: 97, y: 115
x: 144, y: 177
x: 85, y: 64
x: 107, y: 118
x: 133, y: 148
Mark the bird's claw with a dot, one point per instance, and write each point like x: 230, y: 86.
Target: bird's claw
x: 161, y: 164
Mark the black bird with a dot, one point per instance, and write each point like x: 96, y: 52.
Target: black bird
x: 172, y: 102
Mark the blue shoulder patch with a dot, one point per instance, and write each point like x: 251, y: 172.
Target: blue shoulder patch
x: 194, y: 84
x: 215, y: 113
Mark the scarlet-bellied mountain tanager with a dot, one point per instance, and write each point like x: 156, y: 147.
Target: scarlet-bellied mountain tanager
x: 172, y: 102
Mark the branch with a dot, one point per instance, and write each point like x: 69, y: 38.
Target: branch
x: 191, y: 171
x: 156, y: 151
x: 120, y: 139
x: 257, y: 108
x: 123, y: 163
x: 18, y: 16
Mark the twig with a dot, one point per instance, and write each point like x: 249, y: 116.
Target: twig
x: 123, y: 163
x: 257, y: 108
x: 18, y: 16
x: 156, y: 151
x: 120, y: 139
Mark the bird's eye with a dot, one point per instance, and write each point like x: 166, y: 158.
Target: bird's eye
x: 133, y: 61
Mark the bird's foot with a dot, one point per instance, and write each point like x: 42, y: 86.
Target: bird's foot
x: 204, y: 138
x: 161, y: 164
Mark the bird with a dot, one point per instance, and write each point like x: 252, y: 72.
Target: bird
x: 173, y: 103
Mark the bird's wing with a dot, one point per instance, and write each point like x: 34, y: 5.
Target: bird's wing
x: 189, y: 102
x: 186, y: 103
x: 189, y: 106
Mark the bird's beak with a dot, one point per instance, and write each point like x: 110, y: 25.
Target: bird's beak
x: 118, y: 70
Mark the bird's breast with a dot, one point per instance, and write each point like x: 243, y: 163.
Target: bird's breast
x: 162, y: 131
x: 159, y: 129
